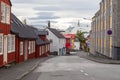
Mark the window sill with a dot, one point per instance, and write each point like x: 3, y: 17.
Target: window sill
x: 10, y: 52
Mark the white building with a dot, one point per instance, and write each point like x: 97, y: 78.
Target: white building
x: 57, y: 41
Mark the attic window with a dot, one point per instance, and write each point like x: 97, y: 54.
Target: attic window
x: 5, y: 13
x: 2, y: 12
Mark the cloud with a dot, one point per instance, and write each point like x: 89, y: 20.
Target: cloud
x: 63, y: 12
x: 45, y: 15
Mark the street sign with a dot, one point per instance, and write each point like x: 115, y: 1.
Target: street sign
x: 109, y: 32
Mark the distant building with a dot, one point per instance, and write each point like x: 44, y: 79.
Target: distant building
x: 76, y: 44
x: 57, y: 41
x: 105, y: 39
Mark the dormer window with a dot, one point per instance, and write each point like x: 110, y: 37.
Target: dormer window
x: 5, y: 13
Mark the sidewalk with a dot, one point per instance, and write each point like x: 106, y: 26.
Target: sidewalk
x: 16, y: 72
x: 97, y: 59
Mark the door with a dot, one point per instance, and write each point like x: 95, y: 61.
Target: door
x: 26, y: 50
x: 5, y: 50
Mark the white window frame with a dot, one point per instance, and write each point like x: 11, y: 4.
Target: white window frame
x: 111, y: 10
x: 5, y: 13
x: 33, y: 46
x: 7, y: 16
x: 11, y: 43
x: 3, y: 6
x: 40, y: 50
x: 1, y: 35
x: 46, y: 48
x: 21, y: 48
x: 29, y: 47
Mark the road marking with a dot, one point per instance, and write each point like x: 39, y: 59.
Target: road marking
x: 85, y: 74
x: 81, y: 71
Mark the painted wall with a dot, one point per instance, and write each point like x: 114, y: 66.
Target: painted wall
x: 57, y: 43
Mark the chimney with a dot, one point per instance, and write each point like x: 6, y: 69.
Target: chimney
x: 49, y: 24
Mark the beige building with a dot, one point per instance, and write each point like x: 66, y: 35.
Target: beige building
x: 105, y: 35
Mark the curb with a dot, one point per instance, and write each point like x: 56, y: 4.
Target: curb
x: 99, y: 61
x: 27, y: 72
x: 103, y: 62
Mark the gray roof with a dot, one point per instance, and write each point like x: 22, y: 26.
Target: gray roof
x: 39, y: 41
x: 40, y: 32
x: 21, y: 30
x: 70, y: 29
x: 56, y: 32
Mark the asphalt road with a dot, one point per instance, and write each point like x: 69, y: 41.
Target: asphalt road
x: 74, y: 68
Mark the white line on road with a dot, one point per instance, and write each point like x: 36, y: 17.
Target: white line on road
x: 81, y: 71
x: 85, y: 74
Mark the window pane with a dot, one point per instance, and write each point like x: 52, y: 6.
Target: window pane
x: 8, y: 14
x: 21, y: 48
x: 1, y: 42
x: 9, y: 43
x: 2, y: 12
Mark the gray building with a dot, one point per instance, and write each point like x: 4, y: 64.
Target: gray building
x: 105, y: 39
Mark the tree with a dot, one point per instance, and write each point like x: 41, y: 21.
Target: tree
x: 81, y: 38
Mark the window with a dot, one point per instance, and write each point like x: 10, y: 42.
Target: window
x: 46, y: 48
x: 110, y: 10
x: 11, y: 43
x: 40, y: 50
x: 34, y: 46
x: 8, y: 14
x: 31, y: 47
x: 2, y: 12
x: 5, y: 13
x: 1, y: 43
x: 21, y: 48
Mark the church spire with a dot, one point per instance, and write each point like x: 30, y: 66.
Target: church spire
x: 78, y: 23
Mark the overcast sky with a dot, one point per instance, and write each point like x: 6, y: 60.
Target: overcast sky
x: 62, y: 13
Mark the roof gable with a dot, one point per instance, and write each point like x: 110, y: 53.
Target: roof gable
x: 56, y: 33
x: 21, y: 30
x: 39, y: 41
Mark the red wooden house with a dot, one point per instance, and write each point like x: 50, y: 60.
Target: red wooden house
x: 42, y: 44
x: 7, y: 41
x: 25, y: 40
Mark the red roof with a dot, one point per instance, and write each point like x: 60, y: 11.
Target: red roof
x: 69, y: 35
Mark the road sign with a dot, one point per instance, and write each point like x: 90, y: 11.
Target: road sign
x: 109, y: 32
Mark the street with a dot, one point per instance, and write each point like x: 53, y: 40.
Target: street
x: 74, y: 68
